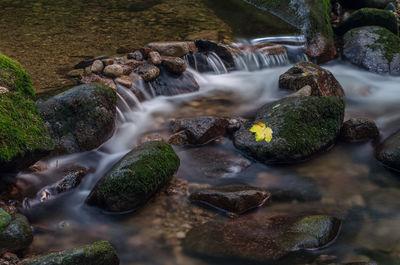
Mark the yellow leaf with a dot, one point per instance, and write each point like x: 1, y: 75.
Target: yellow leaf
x: 305, y: 74
x: 262, y: 132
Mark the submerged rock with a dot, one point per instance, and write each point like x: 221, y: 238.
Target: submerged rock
x: 302, y: 127
x: 24, y: 138
x: 169, y: 84
x: 222, y: 51
x: 200, y: 130
x: 81, y: 118
x: 358, y: 130
x: 234, y: 199
x: 135, y: 178
x: 16, y: 235
x: 369, y: 17
x: 99, y: 253
x: 388, y: 152
x: 175, y: 65
x: 321, y: 81
x: 261, y: 237
x: 373, y: 48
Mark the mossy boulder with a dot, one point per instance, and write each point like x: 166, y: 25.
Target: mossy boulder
x: 373, y: 48
x: 99, y: 253
x: 310, y: 16
x: 261, y: 238
x: 388, y: 152
x: 24, y: 138
x: 135, y: 178
x: 81, y: 118
x: 369, y: 17
x: 5, y: 219
x: 302, y: 127
x: 16, y: 235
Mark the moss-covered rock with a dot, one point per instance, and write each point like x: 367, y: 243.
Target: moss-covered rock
x: 373, y: 48
x: 99, y: 253
x: 312, y: 17
x: 5, y: 219
x: 135, y: 178
x: 262, y: 238
x: 369, y: 17
x: 24, y: 138
x: 17, y: 235
x: 302, y: 126
x: 388, y: 152
x: 81, y: 118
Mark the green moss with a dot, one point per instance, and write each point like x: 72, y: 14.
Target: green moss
x: 5, y: 219
x: 317, y: 120
x: 370, y: 17
x: 387, y: 42
x: 13, y: 77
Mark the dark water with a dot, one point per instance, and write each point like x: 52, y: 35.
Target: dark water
x: 57, y: 34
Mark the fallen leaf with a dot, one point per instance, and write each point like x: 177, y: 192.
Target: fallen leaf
x: 262, y: 132
x: 305, y: 74
x: 276, y: 106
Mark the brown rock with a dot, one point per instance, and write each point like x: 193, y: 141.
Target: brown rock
x: 124, y: 80
x: 155, y: 58
x: 179, y: 139
x: 137, y: 55
x: 93, y: 78
x: 97, y: 67
x: 322, y: 82
x: 358, y: 130
x: 148, y: 72
x: 75, y: 73
x: 108, y: 62
x: 270, y: 48
x: 133, y: 63
x: 114, y: 70
x: 171, y: 48
x: 175, y: 65
x: 321, y: 49
x: 145, y: 52
x: 303, y: 92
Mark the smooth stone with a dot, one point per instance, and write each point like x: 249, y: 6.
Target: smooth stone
x: 302, y: 92
x: 136, y: 178
x: 99, y: 253
x: 148, y: 72
x: 170, y: 48
x: 322, y: 81
x: 137, y: 55
x: 108, y: 61
x: 97, y: 66
x: 75, y: 73
x: 236, y: 199
x: 85, y: 63
x: 124, y: 80
x: 4, y: 90
x: 155, y: 58
x: 175, y: 65
x: 223, y: 52
x: 358, y: 130
x: 16, y: 236
x: 94, y: 78
x: 169, y: 84
x: 388, y: 152
x: 113, y: 70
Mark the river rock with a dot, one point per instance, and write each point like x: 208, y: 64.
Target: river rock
x: 108, y: 61
x: 261, y: 237
x: 99, y: 253
x: 24, y: 138
x: 155, y: 58
x: 358, y: 130
x: 124, y: 80
x: 302, y: 127
x: 135, y: 178
x: 16, y: 235
x: 200, y: 130
x: 170, y: 48
x: 148, y: 72
x: 97, y: 66
x: 85, y: 63
x: 365, y: 3
x: 322, y: 81
x: 388, y: 152
x: 223, y: 52
x: 234, y: 199
x: 369, y: 17
x: 175, y: 65
x: 114, y: 70
x: 373, y: 48
x: 169, y: 84
x: 137, y: 55
x: 81, y: 118
x: 94, y: 78
x: 302, y: 92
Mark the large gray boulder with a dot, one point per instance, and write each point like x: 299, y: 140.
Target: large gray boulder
x: 81, y: 118
x: 15, y: 232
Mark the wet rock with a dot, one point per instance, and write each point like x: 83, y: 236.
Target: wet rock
x: 391, y: 7
x: 155, y: 58
x: 24, y: 138
x: 201, y: 130
x: 179, y: 139
x: 99, y: 253
x: 358, y: 130
x: 322, y: 81
x: 169, y: 84
x: 108, y: 61
x: 137, y: 55
x: 124, y: 80
x: 81, y: 118
x: 15, y: 236
x: 97, y: 66
x: 302, y: 127
x: 114, y: 70
x: 388, y: 152
x: 369, y: 17
x: 135, y: 178
x: 374, y: 48
x: 170, y: 48
x: 5, y: 219
x: 175, y: 65
x: 269, y: 48
x: 148, y: 72
x: 235, y: 199
x: 261, y: 238
x: 365, y: 3
x: 89, y: 62
x: 302, y: 92
x: 133, y: 64
x: 222, y: 51
x: 75, y: 73
x: 93, y: 78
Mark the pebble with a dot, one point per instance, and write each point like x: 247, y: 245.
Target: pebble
x: 97, y: 66
x: 114, y: 70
